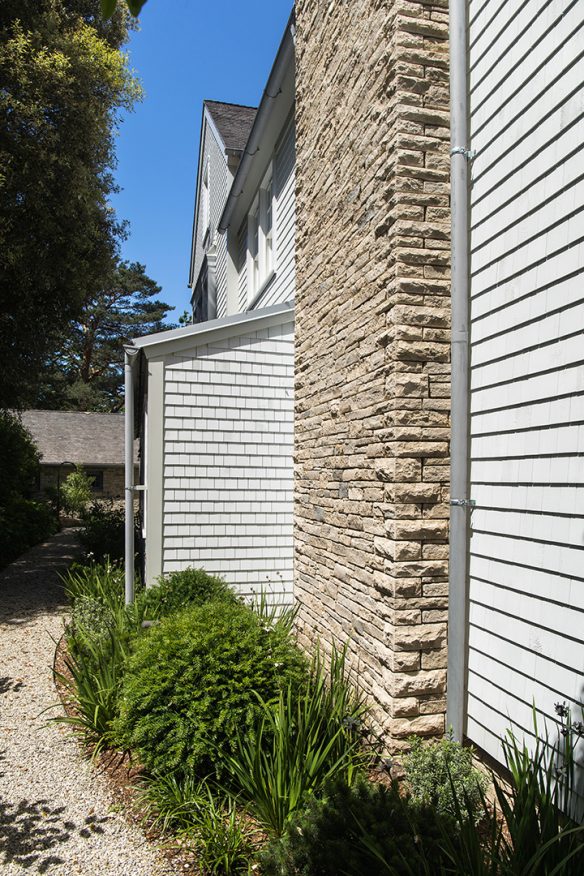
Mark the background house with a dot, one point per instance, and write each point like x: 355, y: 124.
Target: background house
x: 92, y: 440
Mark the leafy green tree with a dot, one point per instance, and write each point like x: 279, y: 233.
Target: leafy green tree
x: 63, y: 81
x: 87, y: 373
x: 108, y: 6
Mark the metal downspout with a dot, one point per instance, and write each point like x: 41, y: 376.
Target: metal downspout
x: 459, y: 477
x: 130, y: 354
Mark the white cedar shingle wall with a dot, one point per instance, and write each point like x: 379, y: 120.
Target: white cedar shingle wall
x: 526, y: 635
x: 228, y: 461
x: 282, y: 286
x: 219, y: 182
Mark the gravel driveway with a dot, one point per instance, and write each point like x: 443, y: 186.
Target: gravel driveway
x: 55, y: 815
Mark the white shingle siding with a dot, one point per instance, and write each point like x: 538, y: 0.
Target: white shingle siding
x: 228, y: 433
x: 526, y: 631
x: 281, y: 288
x: 220, y: 179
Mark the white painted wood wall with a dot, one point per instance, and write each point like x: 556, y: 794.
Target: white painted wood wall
x: 281, y: 288
x: 227, y: 447
x: 526, y: 624
x: 220, y: 179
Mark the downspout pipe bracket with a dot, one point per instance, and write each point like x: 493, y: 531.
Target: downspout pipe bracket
x: 469, y: 154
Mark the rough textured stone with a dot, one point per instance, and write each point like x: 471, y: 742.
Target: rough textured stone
x: 372, y: 319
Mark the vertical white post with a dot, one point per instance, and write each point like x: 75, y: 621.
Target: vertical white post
x: 130, y: 354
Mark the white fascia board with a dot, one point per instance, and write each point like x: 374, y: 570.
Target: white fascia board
x: 178, y: 340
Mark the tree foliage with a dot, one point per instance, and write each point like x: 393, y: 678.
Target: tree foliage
x: 63, y: 80
x: 108, y: 6
x: 87, y: 372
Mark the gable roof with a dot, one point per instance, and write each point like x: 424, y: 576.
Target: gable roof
x: 234, y: 122
x: 85, y: 438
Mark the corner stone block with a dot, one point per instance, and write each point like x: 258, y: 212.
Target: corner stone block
x: 423, y: 637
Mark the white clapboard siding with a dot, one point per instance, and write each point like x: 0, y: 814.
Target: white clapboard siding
x: 532, y: 23
x: 228, y: 436
x: 559, y: 297
x: 526, y: 587
x: 282, y: 286
x: 219, y: 181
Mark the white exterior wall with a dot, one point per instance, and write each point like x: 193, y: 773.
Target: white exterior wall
x: 220, y: 179
x: 227, y: 450
x: 281, y: 288
x: 526, y: 630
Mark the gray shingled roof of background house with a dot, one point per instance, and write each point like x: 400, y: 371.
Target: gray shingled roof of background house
x: 233, y: 122
x: 75, y: 436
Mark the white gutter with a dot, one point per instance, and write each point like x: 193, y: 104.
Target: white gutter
x: 271, y: 93
x: 459, y: 475
x: 130, y: 357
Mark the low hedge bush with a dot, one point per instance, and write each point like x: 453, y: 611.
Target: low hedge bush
x: 193, y: 683
x: 180, y: 589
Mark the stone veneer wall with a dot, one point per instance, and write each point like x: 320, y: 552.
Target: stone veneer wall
x: 373, y: 345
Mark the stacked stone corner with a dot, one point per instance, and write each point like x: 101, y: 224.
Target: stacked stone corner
x: 372, y: 390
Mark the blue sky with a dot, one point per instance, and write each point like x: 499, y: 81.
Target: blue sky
x: 184, y: 52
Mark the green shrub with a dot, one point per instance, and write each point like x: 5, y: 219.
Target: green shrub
x: 19, y: 459
x: 440, y: 774
x: 181, y: 589
x: 193, y: 682
x: 76, y: 492
x: 23, y: 523
x: 181, y: 804
x: 309, y: 736
x: 363, y: 830
x: 103, y: 532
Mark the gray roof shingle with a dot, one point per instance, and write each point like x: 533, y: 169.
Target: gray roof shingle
x: 77, y: 436
x: 233, y: 122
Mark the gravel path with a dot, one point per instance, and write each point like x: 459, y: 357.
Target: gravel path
x: 55, y: 815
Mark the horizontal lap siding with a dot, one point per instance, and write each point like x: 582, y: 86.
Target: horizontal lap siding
x: 282, y: 288
x: 526, y: 615
x: 219, y: 182
x: 228, y: 461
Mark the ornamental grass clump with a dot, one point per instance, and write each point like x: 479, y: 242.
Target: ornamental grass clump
x: 99, y: 640
x: 179, y: 804
x: 307, y: 737
x: 194, y: 680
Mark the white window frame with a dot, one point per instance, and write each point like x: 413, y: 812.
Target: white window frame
x: 261, y: 237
